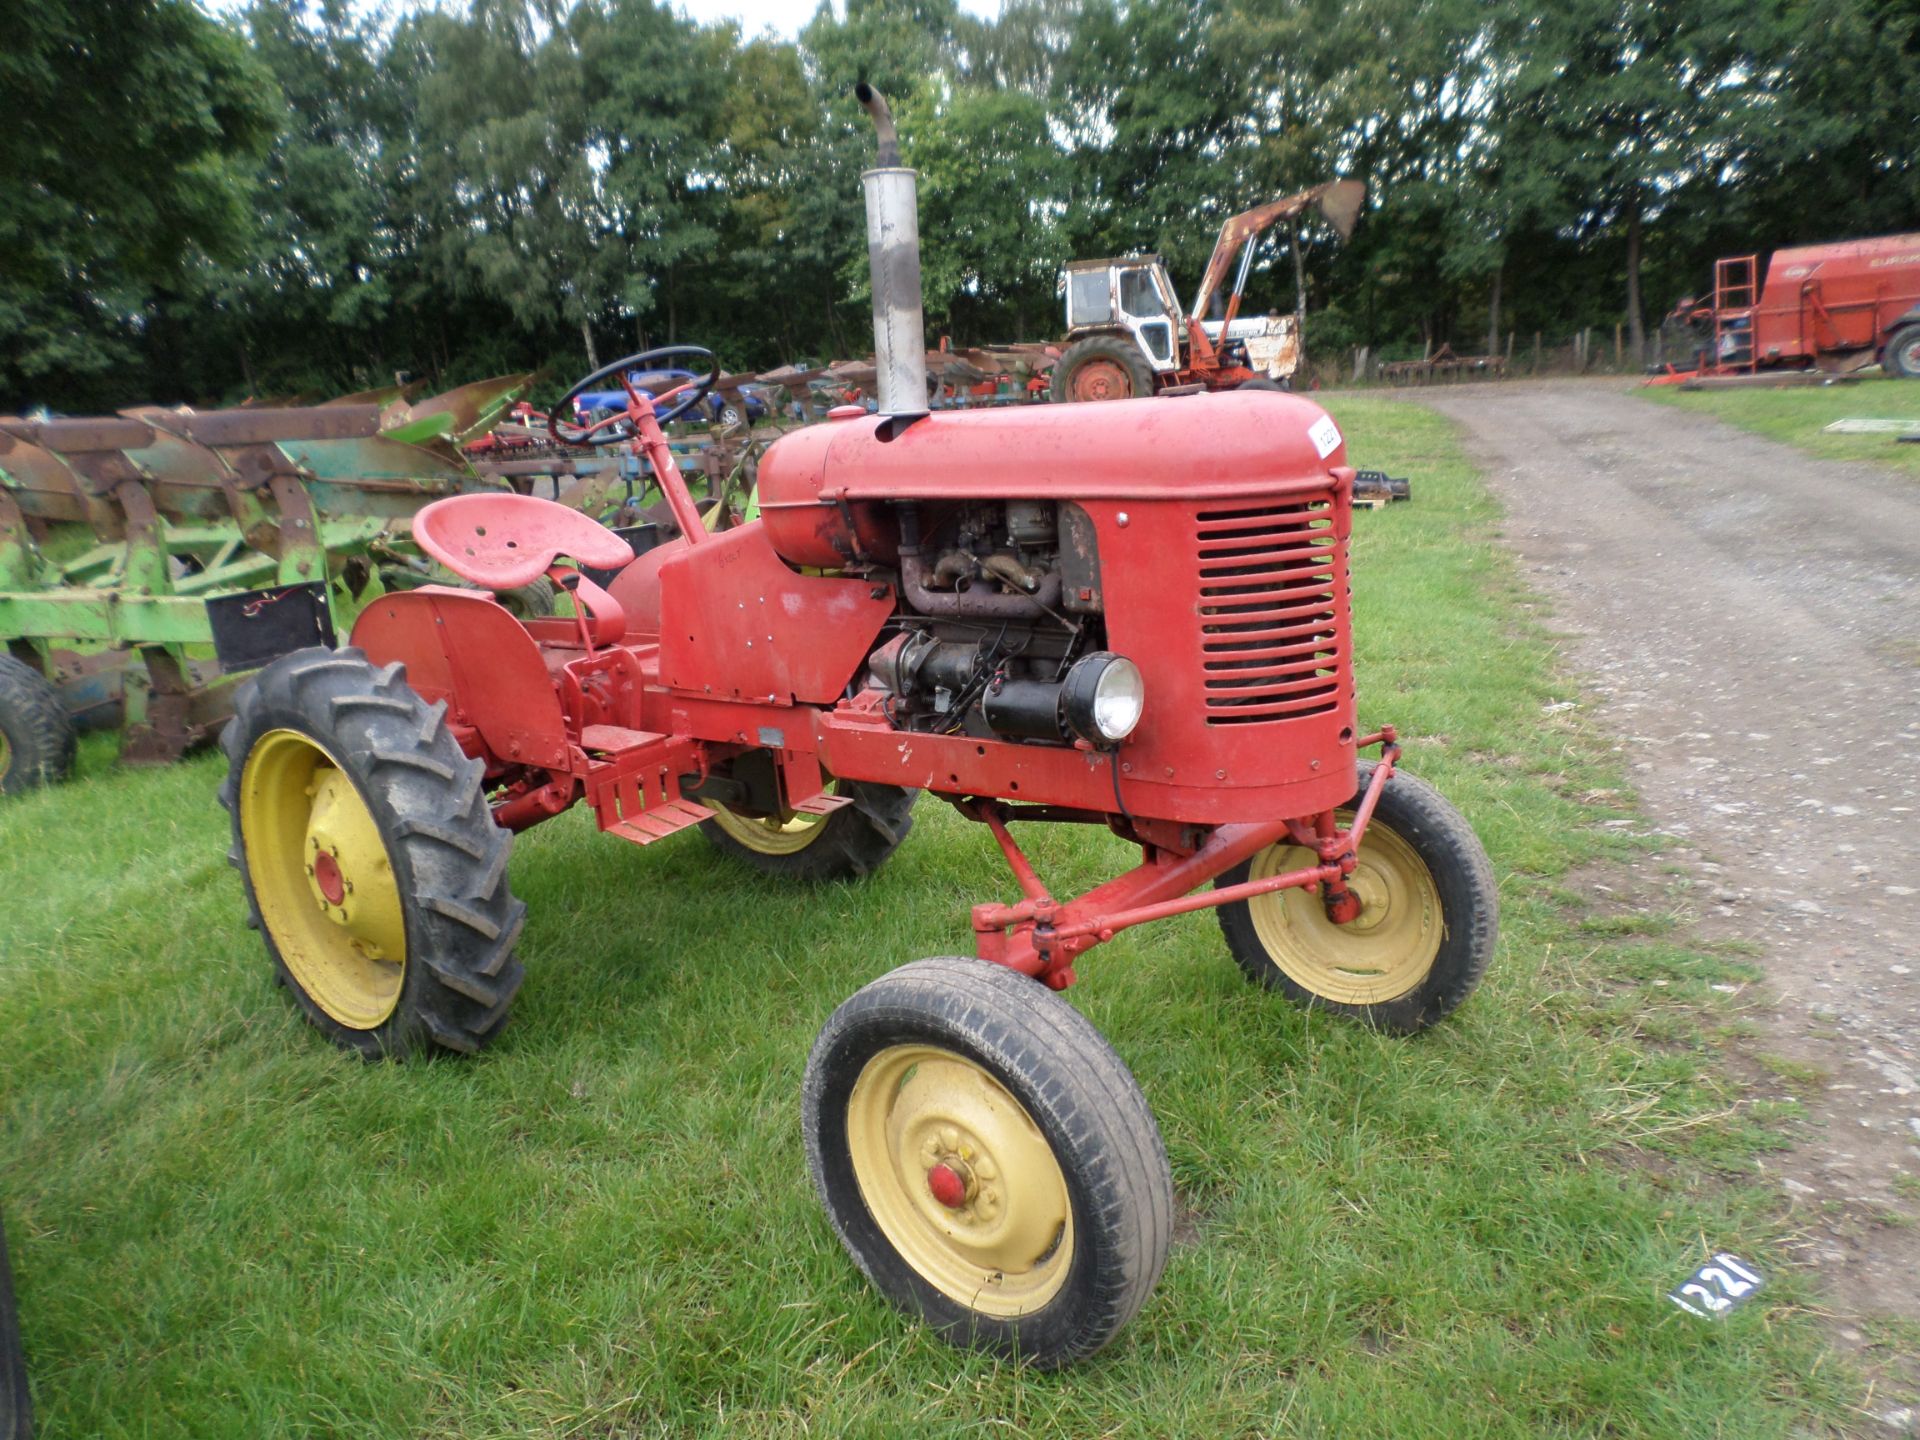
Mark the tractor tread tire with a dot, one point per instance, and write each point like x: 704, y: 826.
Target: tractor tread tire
x: 16, y: 1399
x: 1470, y: 910
x: 39, y: 733
x: 1073, y: 1085
x: 1118, y: 348
x: 1895, y: 362
x: 449, y: 858
x: 853, y: 841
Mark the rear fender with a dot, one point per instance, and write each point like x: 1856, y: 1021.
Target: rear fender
x: 462, y: 648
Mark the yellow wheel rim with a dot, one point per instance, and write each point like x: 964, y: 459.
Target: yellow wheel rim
x: 6, y: 755
x: 323, y: 879
x: 924, y: 1122
x: 1378, y: 956
x: 771, y: 836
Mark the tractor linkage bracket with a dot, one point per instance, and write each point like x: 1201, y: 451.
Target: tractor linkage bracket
x: 1040, y: 936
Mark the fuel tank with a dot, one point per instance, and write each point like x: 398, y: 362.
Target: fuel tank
x: 823, y: 489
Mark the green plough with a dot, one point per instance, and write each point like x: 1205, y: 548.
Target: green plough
x: 148, y: 559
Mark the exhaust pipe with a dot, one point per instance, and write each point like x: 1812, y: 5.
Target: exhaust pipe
x: 893, y: 255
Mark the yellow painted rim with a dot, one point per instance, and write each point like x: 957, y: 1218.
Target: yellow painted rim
x: 1007, y: 1249
x: 1380, y: 955
x: 6, y: 755
x: 771, y: 836
x: 323, y: 879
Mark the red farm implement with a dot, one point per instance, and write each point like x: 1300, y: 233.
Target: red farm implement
x: 1828, y: 308
x: 1133, y: 617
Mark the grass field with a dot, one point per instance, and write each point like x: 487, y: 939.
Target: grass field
x: 1799, y: 417
x: 604, y: 1227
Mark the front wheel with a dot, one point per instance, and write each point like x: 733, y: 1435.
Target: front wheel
x: 1429, y: 915
x: 372, y: 866
x: 987, y: 1160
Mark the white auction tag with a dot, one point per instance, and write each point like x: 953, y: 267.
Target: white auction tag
x: 1325, y: 435
x: 1716, y: 1287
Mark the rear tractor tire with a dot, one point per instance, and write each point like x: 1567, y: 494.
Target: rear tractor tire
x: 1101, y: 367
x: 1903, y: 353
x: 987, y: 1160
x: 36, y: 733
x: 372, y: 866
x: 1430, y: 913
x: 853, y: 840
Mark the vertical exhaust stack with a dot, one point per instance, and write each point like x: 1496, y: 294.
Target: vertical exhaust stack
x: 893, y: 254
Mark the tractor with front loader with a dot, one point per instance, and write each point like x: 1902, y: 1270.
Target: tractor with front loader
x: 1127, y: 335
x: 1134, y: 618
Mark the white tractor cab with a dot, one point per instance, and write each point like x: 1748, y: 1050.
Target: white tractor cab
x: 1128, y: 336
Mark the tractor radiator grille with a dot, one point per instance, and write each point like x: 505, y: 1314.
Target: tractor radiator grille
x: 1273, y: 598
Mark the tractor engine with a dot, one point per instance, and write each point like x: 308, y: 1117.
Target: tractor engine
x: 1000, y: 631
x: 1165, y: 580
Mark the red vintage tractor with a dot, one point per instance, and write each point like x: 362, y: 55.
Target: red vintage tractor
x: 1132, y: 616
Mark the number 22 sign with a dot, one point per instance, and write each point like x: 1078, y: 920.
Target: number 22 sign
x: 1717, y: 1287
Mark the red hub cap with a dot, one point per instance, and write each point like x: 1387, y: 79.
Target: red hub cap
x: 326, y: 874
x: 947, y: 1187
x: 1102, y: 380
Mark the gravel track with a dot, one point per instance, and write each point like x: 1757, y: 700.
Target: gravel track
x: 1747, y: 620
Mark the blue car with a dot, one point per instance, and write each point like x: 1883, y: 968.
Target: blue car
x: 720, y: 410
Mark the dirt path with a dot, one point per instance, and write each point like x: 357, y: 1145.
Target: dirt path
x: 1749, y: 621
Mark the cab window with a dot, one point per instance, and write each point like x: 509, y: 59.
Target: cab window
x: 1087, y: 297
x: 1138, y: 297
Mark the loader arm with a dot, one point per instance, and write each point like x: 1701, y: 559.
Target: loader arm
x: 1338, y: 200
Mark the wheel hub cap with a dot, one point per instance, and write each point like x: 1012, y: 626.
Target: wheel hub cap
x: 1102, y: 380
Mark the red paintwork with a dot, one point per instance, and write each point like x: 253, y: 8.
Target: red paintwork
x: 502, y: 542
x: 326, y: 874
x: 1221, y: 533
x: 736, y: 623
x: 946, y: 1187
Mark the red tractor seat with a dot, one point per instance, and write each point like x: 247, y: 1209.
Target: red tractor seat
x: 501, y: 542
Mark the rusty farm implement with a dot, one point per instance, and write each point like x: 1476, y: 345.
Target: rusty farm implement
x: 1132, y: 616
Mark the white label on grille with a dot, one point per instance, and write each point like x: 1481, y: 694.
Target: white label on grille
x: 1325, y: 435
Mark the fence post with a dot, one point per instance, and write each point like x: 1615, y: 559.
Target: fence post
x: 1619, y: 355
x: 1536, y: 352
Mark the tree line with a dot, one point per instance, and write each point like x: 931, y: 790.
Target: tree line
x: 304, y: 199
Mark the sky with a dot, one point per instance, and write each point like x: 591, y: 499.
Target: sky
x: 784, y: 17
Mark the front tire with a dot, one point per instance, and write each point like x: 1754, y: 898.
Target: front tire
x: 372, y: 866
x: 37, y: 737
x: 853, y: 840
x: 1429, y: 918
x: 1101, y: 367
x: 987, y: 1160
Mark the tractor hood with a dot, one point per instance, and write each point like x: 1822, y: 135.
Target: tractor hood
x: 816, y: 483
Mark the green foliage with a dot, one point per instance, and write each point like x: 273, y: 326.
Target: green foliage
x: 133, y: 128
x: 510, y: 183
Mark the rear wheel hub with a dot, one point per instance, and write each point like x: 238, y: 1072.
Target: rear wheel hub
x: 323, y: 879
x: 1102, y: 380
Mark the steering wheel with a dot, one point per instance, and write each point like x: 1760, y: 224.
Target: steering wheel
x: 696, y: 392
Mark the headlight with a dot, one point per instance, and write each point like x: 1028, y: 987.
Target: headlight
x: 1104, y: 695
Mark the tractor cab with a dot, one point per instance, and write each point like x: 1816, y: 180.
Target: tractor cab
x: 1131, y: 295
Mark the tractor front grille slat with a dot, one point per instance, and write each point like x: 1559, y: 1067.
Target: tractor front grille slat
x: 1271, y: 601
